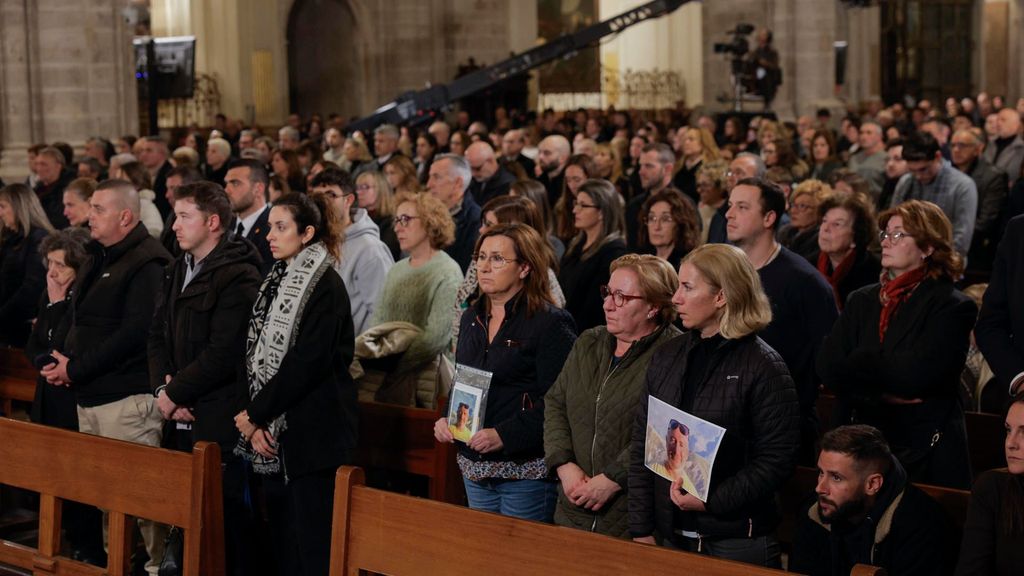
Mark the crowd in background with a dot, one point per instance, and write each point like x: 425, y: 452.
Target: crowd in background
x: 220, y: 284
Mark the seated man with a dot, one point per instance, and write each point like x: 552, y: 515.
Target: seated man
x: 867, y: 513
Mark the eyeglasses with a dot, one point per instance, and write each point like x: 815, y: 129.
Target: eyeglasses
x: 892, y: 237
x: 497, y: 260
x: 664, y: 219
x: 618, y: 298
x: 576, y: 204
x: 801, y: 206
x: 404, y: 220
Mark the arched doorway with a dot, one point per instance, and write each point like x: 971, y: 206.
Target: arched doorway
x: 324, y: 59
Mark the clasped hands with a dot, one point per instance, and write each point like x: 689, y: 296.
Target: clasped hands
x: 169, y: 410
x: 262, y: 442
x: 590, y: 493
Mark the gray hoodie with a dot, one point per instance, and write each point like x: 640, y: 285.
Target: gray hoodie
x: 365, y: 262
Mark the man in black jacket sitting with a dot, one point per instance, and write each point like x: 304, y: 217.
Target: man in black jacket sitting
x: 198, y: 338
x: 867, y: 513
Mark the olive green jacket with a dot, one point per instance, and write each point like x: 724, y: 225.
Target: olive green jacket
x: 588, y: 419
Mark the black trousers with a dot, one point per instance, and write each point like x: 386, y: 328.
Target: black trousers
x: 300, y: 520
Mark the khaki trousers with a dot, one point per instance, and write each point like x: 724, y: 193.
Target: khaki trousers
x: 135, y: 419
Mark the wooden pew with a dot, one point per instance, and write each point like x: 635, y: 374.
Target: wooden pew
x: 128, y: 480
x: 399, y: 535
x: 401, y: 439
x: 17, y: 379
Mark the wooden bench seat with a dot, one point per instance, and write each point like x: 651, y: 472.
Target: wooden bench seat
x: 128, y: 480
x: 399, y: 535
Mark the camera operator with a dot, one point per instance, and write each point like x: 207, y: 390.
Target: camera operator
x: 767, y: 76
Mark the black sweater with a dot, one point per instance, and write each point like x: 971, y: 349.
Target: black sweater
x: 987, y: 548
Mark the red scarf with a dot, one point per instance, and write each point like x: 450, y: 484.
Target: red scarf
x: 894, y: 292
x: 838, y: 274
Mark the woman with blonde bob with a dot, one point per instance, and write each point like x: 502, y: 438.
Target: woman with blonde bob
x: 588, y: 420
x: 722, y: 372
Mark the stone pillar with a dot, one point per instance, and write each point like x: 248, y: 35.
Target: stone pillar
x: 1015, y: 54
x: 66, y: 73
x: 863, y: 32
x: 805, y: 37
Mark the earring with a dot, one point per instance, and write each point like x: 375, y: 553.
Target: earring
x: 650, y: 315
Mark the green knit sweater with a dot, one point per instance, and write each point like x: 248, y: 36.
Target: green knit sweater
x: 423, y: 296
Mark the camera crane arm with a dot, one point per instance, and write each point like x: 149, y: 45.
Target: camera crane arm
x: 417, y: 107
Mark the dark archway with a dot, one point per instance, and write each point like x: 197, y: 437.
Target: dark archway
x: 324, y: 59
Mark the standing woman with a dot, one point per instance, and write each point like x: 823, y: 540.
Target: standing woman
x: 578, y: 169
x: 515, y: 332
x: 299, y: 424
x: 846, y: 235
x: 722, y: 372
x: 589, y: 416
x: 23, y: 225
x: 824, y: 160
x: 671, y: 228
x: 598, y: 241
x: 696, y: 147
x: 801, y: 234
x: 895, y: 355
x: 373, y: 194
x: 76, y: 201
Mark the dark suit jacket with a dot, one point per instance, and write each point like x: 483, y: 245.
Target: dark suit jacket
x: 467, y: 228
x: 497, y: 185
x: 1000, y: 327
x: 258, y: 236
x: 526, y: 162
x: 993, y: 189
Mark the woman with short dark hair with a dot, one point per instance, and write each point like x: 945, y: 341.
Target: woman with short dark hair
x: 669, y: 226
x: 845, y: 237
x: 895, y: 355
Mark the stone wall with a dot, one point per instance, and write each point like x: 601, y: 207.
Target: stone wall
x: 66, y: 72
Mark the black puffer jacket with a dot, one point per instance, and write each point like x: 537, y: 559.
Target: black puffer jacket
x: 22, y: 280
x: 747, y: 390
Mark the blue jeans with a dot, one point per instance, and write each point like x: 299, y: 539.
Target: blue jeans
x: 526, y: 499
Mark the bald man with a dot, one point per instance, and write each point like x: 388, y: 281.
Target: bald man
x: 552, y: 154
x: 103, y: 357
x: 490, y: 179
x: 1006, y: 150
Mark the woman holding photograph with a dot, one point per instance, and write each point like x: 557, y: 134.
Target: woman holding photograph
x: 516, y: 333
x: 461, y: 429
x: 721, y: 372
x: 590, y: 407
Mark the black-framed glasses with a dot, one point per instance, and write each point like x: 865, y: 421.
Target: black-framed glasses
x: 892, y: 237
x: 497, y: 260
x: 577, y: 204
x: 404, y: 220
x: 618, y: 298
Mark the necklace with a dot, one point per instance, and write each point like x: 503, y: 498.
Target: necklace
x: 771, y: 256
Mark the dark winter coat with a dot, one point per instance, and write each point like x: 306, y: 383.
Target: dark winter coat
x: 747, y: 390
x: 198, y: 337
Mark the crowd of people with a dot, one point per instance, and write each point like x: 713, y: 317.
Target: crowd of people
x: 586, y: 262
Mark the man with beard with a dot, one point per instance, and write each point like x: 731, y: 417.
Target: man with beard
x: 656, y: 163
x: 246, y: 185
x: 866, y: 512
x: 552, y: 155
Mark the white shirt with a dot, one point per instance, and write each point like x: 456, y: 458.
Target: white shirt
x: 249, y: 221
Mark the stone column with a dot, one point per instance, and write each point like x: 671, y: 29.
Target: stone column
x: 66, y: 73
x: 805, y: 33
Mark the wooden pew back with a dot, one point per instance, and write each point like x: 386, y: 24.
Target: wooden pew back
x: 399, y: 535
x: 17, y: 379
x: 401, y: 439
x: 122, y: 478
